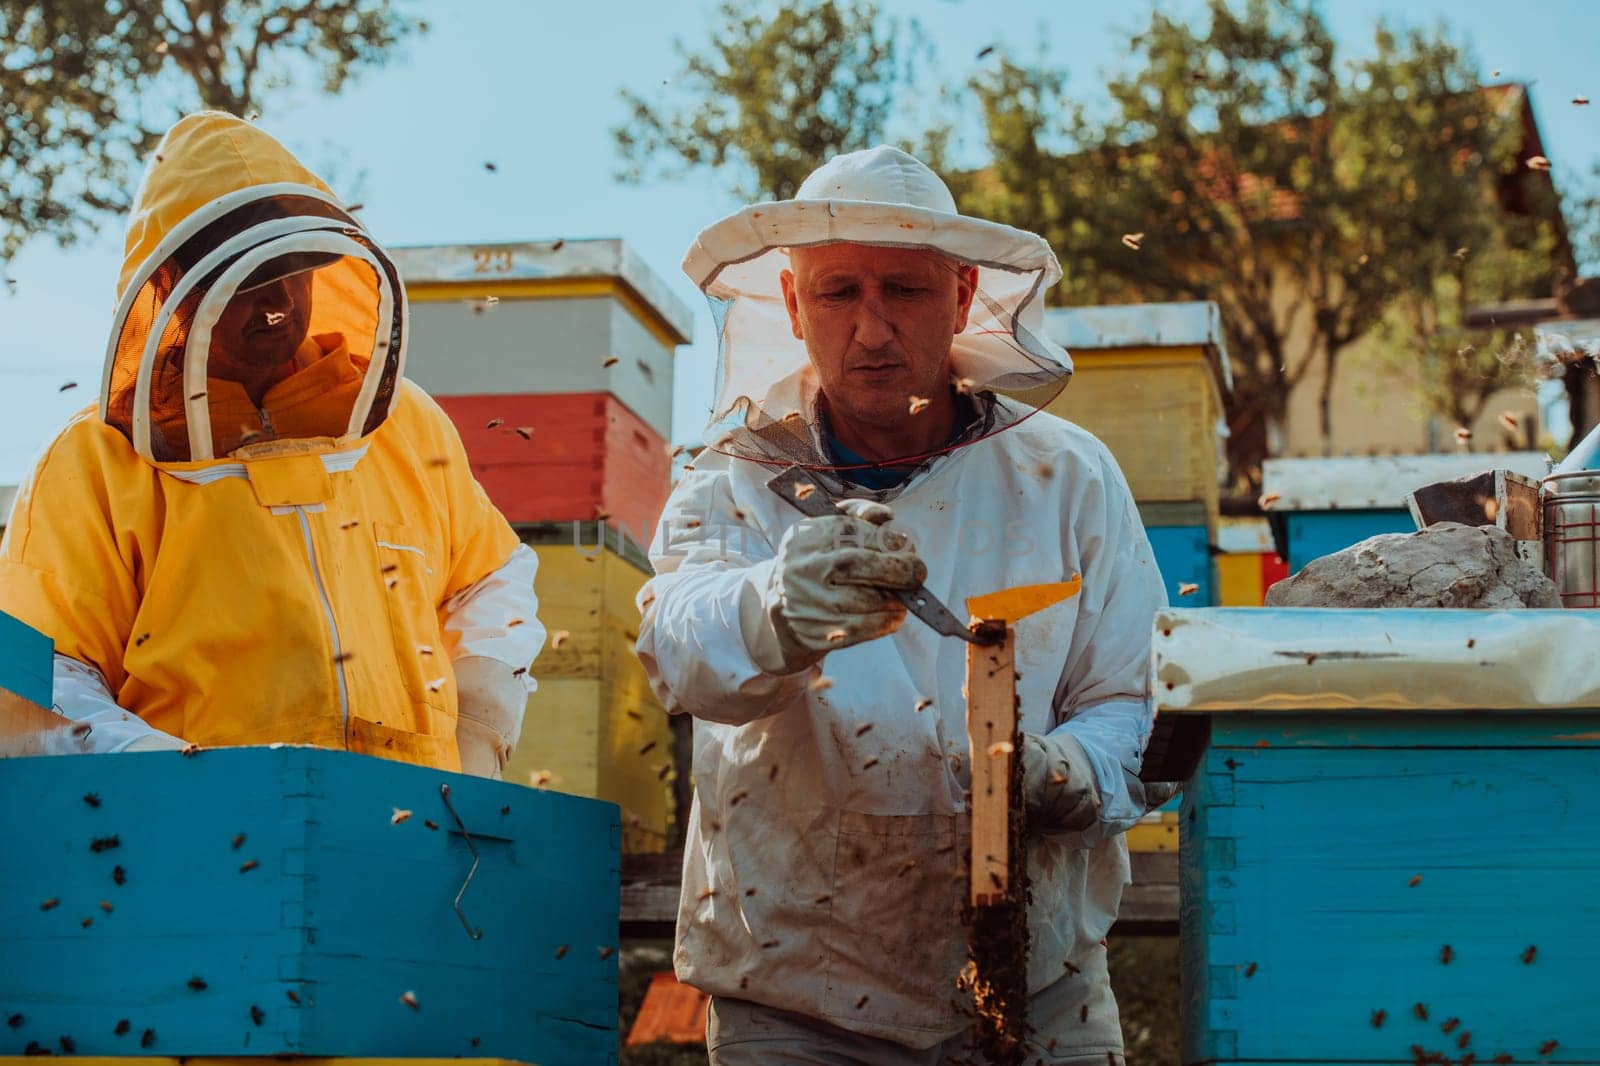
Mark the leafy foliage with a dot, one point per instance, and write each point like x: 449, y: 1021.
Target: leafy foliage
x: 1318, y: 200
x: 1309, y: 198
x: 771, y: 96
x: 77, y: 78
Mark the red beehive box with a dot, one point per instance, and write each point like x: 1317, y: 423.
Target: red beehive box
x: 584, y: 455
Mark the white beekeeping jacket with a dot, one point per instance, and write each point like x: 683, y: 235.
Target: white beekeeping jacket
x: 825, y: 852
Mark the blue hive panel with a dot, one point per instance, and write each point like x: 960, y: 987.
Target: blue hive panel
x: 267, y: 901
x: 26, y: 658
x: 1313, y: 534
x: 1183, y: 554
x: 1360, y: 885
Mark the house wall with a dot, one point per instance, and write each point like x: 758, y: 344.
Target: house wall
x: 1375, y: 406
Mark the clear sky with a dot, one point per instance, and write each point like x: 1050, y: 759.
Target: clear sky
x: 532, y: 86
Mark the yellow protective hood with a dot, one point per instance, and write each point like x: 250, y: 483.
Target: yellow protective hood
x: 226, y: 221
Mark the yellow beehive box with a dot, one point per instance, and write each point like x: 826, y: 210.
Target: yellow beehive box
x: 1148, y: 381
x: 594, y: 728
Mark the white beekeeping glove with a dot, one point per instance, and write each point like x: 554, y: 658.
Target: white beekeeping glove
x: 1062, y: 794
x: 832, y: 586
x: 490, y: 702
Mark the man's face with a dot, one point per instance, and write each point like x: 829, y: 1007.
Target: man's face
x: 877, y: 323
x: 260, y: 330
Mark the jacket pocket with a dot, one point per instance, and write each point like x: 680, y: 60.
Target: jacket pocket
x: 896, y: 944
x: 371, y: 738
x: 406, y: 572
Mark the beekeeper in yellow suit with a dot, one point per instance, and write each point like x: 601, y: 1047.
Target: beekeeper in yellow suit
x: 262, y: 532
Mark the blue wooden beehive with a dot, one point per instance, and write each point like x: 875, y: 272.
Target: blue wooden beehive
x: 1391, y: 852
x: 26, y: 656
x: 1313, y: 534
x: 1183, y: 554
x: 1326, y: 505
x: 264, y: 901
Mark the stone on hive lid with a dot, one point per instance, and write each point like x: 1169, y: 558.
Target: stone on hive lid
x: 1445, y: 565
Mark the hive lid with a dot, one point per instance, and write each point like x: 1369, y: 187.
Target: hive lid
x: 1377, y: 482
x: 1158, y: 325
x: 490, y: 264
x: 1294, y: 659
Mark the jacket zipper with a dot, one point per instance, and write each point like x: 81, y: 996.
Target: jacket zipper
x: 333, y: 626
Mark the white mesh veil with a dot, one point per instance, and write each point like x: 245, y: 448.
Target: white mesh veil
x: 766, y: 401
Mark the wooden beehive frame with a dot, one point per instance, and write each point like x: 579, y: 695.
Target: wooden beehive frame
x: 991, y: 736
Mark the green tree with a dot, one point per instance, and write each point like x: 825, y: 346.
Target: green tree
x: 1458, y: 370
x: 771, y: 96
x: 1247, y: 165
x: 78, y: 77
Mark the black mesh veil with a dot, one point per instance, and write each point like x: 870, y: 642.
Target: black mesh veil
x: 167, y: 384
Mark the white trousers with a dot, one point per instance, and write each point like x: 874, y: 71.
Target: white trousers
x: 1064, y: 1033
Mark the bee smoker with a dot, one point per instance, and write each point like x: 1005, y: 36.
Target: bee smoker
x: 1555, y: 520
x: 1569, y: 518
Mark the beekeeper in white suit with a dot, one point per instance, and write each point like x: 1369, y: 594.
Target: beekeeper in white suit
x: 868, y: 331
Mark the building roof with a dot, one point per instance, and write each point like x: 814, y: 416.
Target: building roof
x: 493, y: 263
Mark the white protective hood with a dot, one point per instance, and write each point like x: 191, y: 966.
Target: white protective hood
x: 766, y: 390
